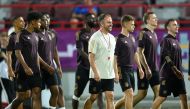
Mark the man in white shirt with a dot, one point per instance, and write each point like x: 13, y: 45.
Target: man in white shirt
x: 101, y: 57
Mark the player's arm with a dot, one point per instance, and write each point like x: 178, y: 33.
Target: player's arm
x: 9, y: 64
x: 166, y: 53
x: 80, y: 47
x: 137, y: 60
x: 56, y: 58
x: 140, y: 52
x: 117, y: 69
x: 45, y: 65
x: 57, y: 61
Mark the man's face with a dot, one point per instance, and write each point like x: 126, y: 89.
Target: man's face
x: 91, y: 21
x: 153, y: 20
x: 19, y: 22
x: 173, y: 27
x: 44, y: 22
x: 130, y: 26
x: 107, y: 23
x: 36, y: 24
x: 48, y: 19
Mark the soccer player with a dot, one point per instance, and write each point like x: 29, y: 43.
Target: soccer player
x: 171, y: 76
x: 61, y: 101
x: 101, y: 57
x: 18, y: 24
x: 147, y: 51
x: 29, y: 76
x: 125, y: 54
x: 82, y: 73
x: 45, y: 53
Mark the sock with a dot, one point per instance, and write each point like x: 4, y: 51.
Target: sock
x: 76, y: 98
x: 62, y: 108
x: 51, y: 107
x: 9, y: 106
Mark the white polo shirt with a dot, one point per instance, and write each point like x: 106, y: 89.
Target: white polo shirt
x: 103, y: 46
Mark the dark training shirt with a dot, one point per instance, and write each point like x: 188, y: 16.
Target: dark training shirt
x: 44, y: 47
x: 170, y: 47
x: 82, y: 45
x: 28, y: 44
x: 149, y: 42
x: 125, y: 50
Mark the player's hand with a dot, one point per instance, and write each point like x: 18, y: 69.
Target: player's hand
x: 189, y: 77
x: 141, y: 73
x: 148, y: 73
x: 119, y: 72
x: 11, y: 74
x: 51, y: 70
x: 97, y: 76
x: 177, y: 72
x: 28, y: 71
x: 60, y: 72
x: 116, y: 78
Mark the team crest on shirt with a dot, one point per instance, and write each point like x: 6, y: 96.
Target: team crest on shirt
x: 87, y: 37
x: 173, y: 44
x: 28, y: 37
x: 126, y: 84
x: 142, y: 84
x: 164, y: 82
x: 94, y: 89
x: 78, y: 77
x: 150, y: 37
x: 125, y: 42
x: 19, y: 86
x: 165, y: 91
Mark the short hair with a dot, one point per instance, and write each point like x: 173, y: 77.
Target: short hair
x: 102, y: 16
x: 168, y: 22
x: 15, y: 18
x: 33, y: 16
x: 146, y: 16
x: 126, y: 18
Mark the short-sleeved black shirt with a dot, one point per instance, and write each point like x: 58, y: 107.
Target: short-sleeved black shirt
x: 44, y: 47
x: 125, y: 50
x: 82, y: 45
x: 11, y: 47
x: 148, y: 41
x: 28, y: 44
x: 170, y: 47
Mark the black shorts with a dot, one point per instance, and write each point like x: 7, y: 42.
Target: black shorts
x: 144, y: 83
x: 127, y: 80
x: 172, y: 85
x: 81, y: 79
x: 101, y: 86
x: 48, y: 79
x: 25, y: 82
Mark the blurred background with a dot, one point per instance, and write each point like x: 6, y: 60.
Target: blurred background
x: 67, y: 19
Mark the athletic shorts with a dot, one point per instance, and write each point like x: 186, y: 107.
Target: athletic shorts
x: 172, y: 85
x: 25, y: 82
x: 101, y: 86
x: 144, y: 83
x: 49, y: 79
x: 81, y: 79
x: 127, y: 80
